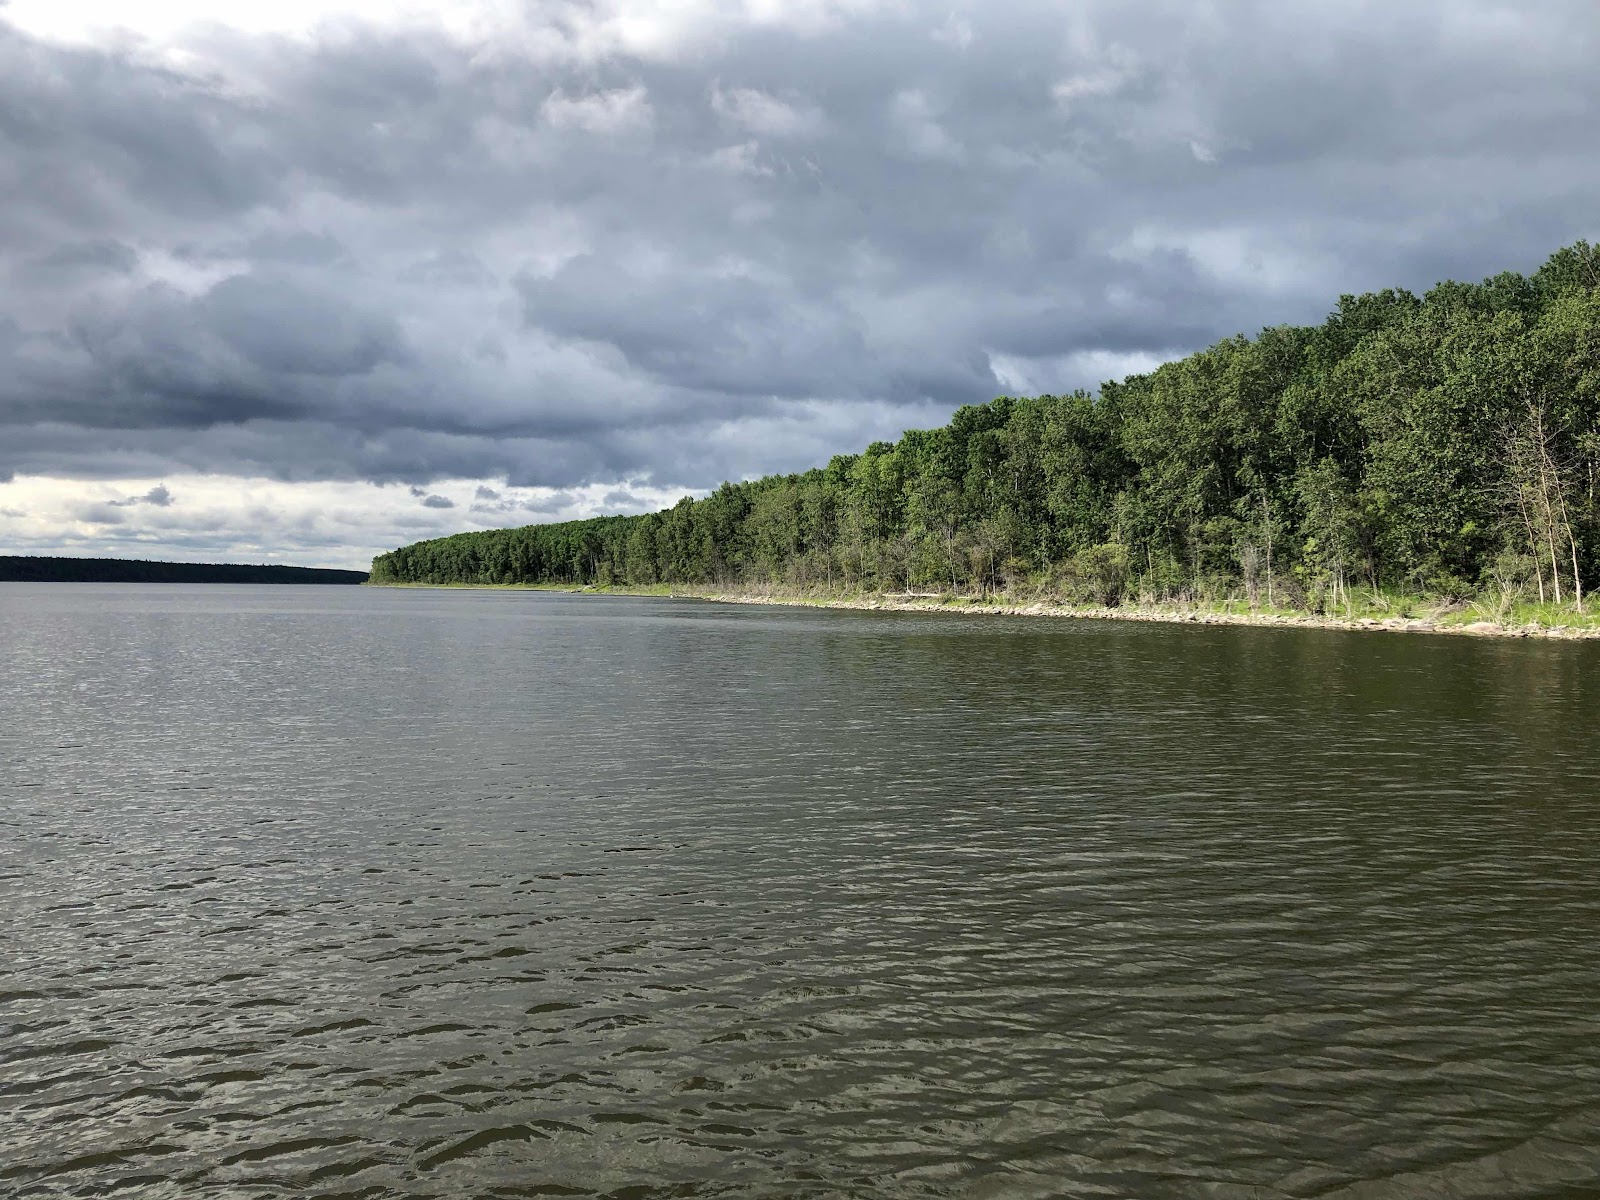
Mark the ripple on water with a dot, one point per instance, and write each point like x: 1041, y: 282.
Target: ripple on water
x: 403, y: 894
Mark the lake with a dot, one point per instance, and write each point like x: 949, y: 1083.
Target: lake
x: 323, y: 891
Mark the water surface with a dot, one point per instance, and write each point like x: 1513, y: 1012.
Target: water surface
x: 351, y: 892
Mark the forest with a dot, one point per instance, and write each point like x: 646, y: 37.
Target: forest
x: 44, y: 569
x: 1443, y: 446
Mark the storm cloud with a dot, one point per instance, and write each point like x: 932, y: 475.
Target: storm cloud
x: 639, y: 249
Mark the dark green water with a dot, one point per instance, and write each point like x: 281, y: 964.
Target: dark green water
x: 396, y: 893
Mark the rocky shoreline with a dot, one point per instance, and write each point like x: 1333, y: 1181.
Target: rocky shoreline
x: 1178, y: 616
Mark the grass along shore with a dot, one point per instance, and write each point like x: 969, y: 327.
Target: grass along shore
x: 1366, y: 611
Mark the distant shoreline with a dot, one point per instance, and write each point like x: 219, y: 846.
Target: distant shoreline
x: 1460, y: 622
x: 16, y: 568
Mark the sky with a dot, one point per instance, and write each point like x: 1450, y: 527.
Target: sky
x: 322, y: 277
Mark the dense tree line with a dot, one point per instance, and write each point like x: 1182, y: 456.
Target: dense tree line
x: 1446, y: 445
x: 29, y: 569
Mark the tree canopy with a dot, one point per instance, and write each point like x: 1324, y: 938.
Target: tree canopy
x: 1445, y: 444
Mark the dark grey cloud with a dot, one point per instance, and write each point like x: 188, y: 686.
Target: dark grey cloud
x: 100, y: 514
x: 94, y: 258
x: 438, y: 502
x: 386, y: 255
x: 158, y: 496
x: 493, y: 504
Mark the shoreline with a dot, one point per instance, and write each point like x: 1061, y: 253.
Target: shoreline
x: 974, y: 606
x: 1174, y: 616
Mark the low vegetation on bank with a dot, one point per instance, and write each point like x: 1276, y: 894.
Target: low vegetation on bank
x: 1432, y: 458
x: 1375, y: 611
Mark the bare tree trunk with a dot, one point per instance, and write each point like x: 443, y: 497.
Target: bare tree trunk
x: 1533, y: 541
x: 1550, y: 534
x: 1530, y: 486
x: 1550, y: 483
x: 1572, y: 545
x: 1266, y: 510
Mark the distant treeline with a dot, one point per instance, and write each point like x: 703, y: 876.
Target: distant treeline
x: 115, y: 570
x: 1447, y: 444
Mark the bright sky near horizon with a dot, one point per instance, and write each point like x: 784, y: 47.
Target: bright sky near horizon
x: 303, y: 281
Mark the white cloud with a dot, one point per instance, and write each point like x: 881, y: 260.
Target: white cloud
x: 535, y: 30
x: 172, y: 23
x: 1236, y: 255
x: 740, y: 159
x: 955, y: 33
x: 1093, y: 84
x: 218, y: 518
x: 913, y: 113
x: 621, y: 110
x: 1057, y: 374
x: 766, y: 115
